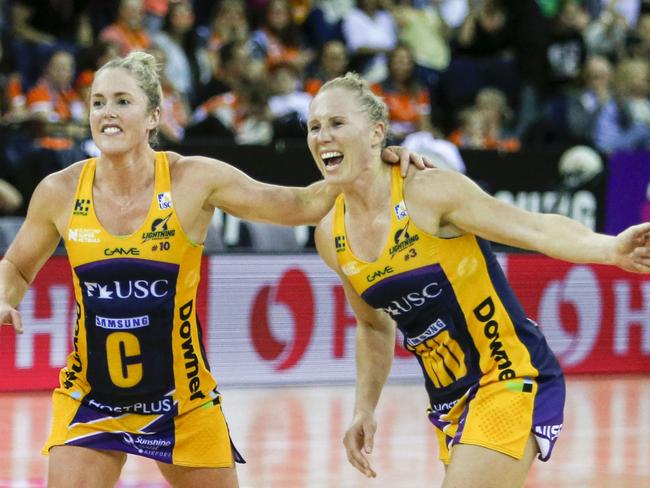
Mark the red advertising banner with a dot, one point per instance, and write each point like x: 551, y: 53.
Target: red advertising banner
x: 284, y: 319
x: 595, y: 318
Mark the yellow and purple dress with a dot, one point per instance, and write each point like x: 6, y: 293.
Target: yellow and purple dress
x: 490, y: 375
x: 137, y: 379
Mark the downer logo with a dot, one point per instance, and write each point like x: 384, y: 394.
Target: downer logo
x: 159, y: 230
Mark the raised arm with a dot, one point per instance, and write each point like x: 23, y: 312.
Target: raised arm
x: 34, y: 244
x: 240, y: 195
x: 237, y: 193
x: 375, y: 345
x: 460, y: 202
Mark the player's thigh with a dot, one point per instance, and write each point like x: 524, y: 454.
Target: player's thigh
x: 184, y: 477
x: 479, y: 467
x: 83, y: 467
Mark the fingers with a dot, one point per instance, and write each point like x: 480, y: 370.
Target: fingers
x: 368, y: 439
x: 428, y: 163
x: 354, y: 440
x: 17, y: 321
x: 12, y: 318
x: 405, y: 158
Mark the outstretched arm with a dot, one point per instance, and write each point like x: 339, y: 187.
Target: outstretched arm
x: 462, y: 203
x: 375, y: 345
x: 240, y: 195
x: 34, y: 244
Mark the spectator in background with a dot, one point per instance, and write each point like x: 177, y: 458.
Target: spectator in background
x: 228, y: 24
x: 58, y: 118
x: 485, y: 125
x: 90, y: 60
x: 501, y: 43
x: 41, y: 27
x: 127, y: 32
x: 323, y: 23
x: 241, y: 115
x: 485, y: 31
x: 332, y: 62
x: 13, y: 108
x: 175, y: 108
x: 585, y: 103
x: 442, y: 153
x: 154, y: 14
x: 279, y: 39
x: 606, y: 34
x: 14, y: 134
x: 186, y: 64
x: 424, y: 30
x: 637, y: 44
x: 369, y: 33
x: 235, y: 64
x: 567, y: 51
x: 289, y: 103
x: 409, y: 107
x: 624, y: 122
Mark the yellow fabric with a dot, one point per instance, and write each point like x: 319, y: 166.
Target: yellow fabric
x: 456, y: 312
x: 137, y: 372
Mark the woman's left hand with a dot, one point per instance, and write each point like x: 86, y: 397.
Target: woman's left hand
x: 405, y: 158
x: 633, y: 249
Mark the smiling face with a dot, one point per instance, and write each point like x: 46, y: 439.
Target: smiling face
x: 120, y: 118
x: 341, y: 137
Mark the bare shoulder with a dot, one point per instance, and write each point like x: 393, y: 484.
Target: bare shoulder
x: 53, y: 197
x: 324, y: 239
x: 59, y: 188
x: 435, y: 186
x: 178, y: 162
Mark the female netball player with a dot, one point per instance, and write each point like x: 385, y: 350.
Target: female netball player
x: 414, y: 252
x: 133, y: 220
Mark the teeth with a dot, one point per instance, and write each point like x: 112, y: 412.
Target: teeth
x: 331, y: 154
x: 111, y: 130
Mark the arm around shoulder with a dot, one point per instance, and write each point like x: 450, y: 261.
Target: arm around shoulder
x: 233, y: 191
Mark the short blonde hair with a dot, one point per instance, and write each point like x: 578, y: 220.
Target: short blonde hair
x: 373, y: 106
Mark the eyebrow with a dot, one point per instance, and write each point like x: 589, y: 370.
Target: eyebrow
x: 116, y: 94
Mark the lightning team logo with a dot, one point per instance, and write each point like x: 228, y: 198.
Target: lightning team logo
x: 159, y: 230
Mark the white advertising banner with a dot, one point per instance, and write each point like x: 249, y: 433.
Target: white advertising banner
x: 282, y: 319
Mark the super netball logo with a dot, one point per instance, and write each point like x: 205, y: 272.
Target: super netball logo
x: 577, y: 297
x: 292, y: 294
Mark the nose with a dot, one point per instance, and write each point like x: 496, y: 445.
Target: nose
x: 324, y: 134
x: 109, y: 111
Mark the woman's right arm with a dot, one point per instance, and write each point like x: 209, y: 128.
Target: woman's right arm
x: 374, y: 350
x: 34, y: 244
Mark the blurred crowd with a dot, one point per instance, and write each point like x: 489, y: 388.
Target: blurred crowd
x: 481, y: 74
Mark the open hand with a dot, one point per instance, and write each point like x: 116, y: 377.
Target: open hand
x: 11, y: 316
x: 405, y: 158
x: 358, y: 442
x: 633, y: 249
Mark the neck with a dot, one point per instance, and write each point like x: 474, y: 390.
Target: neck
x: 370, y: 192
x: 124, y: 174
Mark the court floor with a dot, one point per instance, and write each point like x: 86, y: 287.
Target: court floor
x: 291, y: 437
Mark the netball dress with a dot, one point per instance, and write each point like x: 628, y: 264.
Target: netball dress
x: 489, y: 373
x: 137, y: 379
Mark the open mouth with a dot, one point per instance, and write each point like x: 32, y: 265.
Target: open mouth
x: 111, y: 130
x: 332, y: 159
